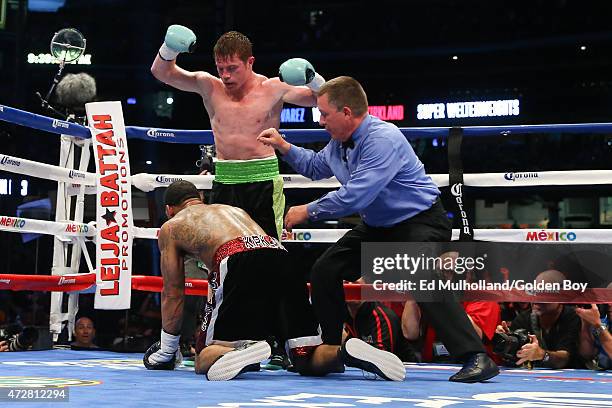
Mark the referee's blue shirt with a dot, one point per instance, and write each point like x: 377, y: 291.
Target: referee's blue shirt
x: 381, y: 176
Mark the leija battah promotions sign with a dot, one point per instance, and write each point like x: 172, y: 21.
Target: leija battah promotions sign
x: 113, y: 207
x: 487, y: 271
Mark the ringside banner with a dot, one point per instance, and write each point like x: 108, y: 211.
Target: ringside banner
x: 113, y: 206
x: 487, y: 271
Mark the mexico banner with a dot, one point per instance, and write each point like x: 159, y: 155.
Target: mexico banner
x: 113, y: 206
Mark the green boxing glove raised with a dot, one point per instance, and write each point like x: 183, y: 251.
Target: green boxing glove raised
x: 298, y: 71
x: 178, y: 39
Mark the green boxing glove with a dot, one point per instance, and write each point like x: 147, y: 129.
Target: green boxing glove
x: 178, y: 39
x: 298, y: 71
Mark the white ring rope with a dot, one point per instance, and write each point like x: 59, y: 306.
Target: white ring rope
x: 65, y: 230
x: 69, y: 230
x: 148, y: 182
x: 594, y: 236
x: 45, y: 171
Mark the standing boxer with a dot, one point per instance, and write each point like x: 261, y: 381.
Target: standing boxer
x: 241, y: 104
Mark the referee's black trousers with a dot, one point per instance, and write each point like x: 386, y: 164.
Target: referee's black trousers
x: 342, y: 260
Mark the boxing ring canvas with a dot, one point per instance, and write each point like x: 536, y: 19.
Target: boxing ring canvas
x: 97, y: 378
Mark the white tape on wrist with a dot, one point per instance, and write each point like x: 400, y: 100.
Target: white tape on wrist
x: 316, y: 83
x: 166, y: 53
x: 169, y: 342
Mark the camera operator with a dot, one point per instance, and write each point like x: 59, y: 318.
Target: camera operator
x: 16, y: 338
x: 553, y: 331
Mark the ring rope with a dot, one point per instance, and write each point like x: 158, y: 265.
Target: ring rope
x: 66, y: 230
x: 148, y: 182
x: 352, y: 291
x: 71, y: 230
x: 57, y: 126
x: 45, y: 171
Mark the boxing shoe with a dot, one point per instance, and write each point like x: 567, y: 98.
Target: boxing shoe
x: 478, y: 367
x: 357, y: 353
x: 279, y: 359
x: 278, y: 362
x: 242, y: 359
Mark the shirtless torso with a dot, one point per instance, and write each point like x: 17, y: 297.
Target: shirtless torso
x: 236, y: 123
x: 200, y: 229
x: 240, y: 103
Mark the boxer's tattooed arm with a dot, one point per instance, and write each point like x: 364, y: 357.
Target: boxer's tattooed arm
x: 173, y: 273
x: 162, y: 238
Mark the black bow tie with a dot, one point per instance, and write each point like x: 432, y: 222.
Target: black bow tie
x: 349, y: 144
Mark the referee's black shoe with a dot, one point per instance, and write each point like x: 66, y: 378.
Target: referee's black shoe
x: 477, y: 368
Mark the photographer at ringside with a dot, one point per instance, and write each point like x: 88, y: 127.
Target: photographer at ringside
x: 17, y: 338
x: 552, y: 329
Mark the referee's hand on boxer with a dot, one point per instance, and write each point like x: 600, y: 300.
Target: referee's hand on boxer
x: 271, y: 137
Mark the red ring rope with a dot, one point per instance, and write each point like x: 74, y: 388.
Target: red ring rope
x: 353, y: 291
